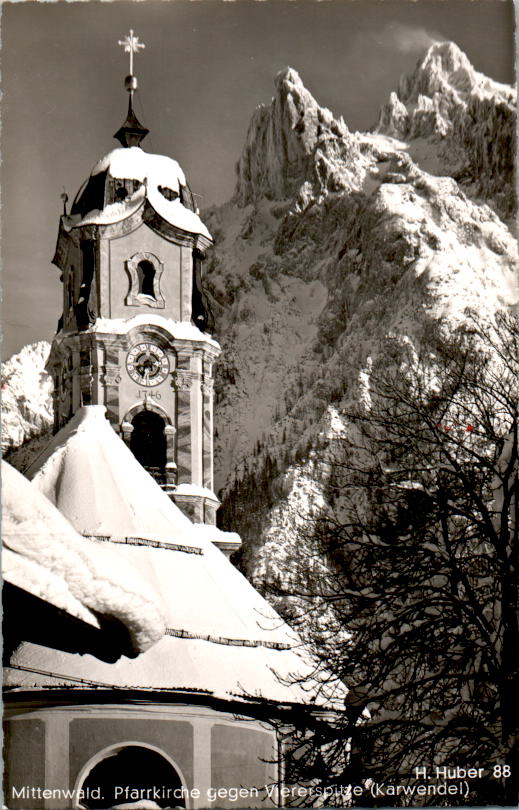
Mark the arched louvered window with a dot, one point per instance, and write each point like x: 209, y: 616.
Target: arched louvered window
x: 148, y: 443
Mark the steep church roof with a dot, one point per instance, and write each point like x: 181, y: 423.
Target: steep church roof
x: 222, y: 637
x: 100, y: 487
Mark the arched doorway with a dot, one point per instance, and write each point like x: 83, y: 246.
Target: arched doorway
x: 131, y: 774
x: 148, y: 442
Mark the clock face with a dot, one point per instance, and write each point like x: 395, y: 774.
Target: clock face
x: 147, y: 364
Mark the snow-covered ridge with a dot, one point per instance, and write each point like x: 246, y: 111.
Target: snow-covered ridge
x: 292, y: 141
x: 26, y: 395
x: 310, y: 276
x: 442, y: 82
x: 469, y: 117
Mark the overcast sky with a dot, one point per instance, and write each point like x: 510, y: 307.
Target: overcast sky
x: 207, y: 64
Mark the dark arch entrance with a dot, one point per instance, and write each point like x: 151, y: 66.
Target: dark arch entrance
x: 148, y: 442
x: 130, y: 774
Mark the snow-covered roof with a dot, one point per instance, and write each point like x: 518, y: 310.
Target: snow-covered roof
x: 222, y: 637
x: 221, y: 671
x: 97, y: 483
x: 153, y: 172
x: 133, y: 163
x: 46, y: 557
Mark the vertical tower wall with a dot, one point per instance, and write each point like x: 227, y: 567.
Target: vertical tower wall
x: 128, y: 293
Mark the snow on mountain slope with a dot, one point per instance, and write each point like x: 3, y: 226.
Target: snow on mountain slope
x: 334, y: 244
x: 456, y: 121
x: 26, y: 396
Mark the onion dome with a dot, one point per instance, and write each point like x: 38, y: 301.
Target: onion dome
x: 129, y: 182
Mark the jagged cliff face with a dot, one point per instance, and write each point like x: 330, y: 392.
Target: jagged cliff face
x: 293, y: 140
x: 467, y: 119
x: 26, y: 396
x: 335, y: 244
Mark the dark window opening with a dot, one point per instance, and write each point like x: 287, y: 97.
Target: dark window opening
x: 200, y: 312
x: 121, y: 193
x: 168, y: 193
x: 85, y: 307
x: 148, y: 442
x: 134, y: 768
x: 146, y: 278
x: 91, y: 196
x: 187, y: 198
x: 70, y: 290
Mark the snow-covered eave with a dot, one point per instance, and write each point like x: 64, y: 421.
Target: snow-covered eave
x: 110, y: 215
x: 175, y: 219
x: 70, y: 572
x: 197, y: 491
x: 30, y: 577
x: 178, y: 330
x: 268, y: 707
x: 104, y: 220
x: 199, y: 233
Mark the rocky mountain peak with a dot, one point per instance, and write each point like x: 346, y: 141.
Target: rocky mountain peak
x: 444, y: 68
x: 291, y: 78
x: 26, y: 395
x: 470, y: 117
x: 290, y: 142
x: 443, y: 82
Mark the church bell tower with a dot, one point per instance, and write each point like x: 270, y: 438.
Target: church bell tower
x: 134, y: 331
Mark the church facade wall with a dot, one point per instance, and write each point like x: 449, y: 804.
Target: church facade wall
x: 215, y: 754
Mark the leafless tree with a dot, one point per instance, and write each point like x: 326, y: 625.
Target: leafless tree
x: 406, y: 589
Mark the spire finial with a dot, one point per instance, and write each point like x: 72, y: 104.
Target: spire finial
x: 132, y: 132
x: 131, y: 45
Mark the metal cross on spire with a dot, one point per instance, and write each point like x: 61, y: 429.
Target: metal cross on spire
x: 131, y: 45
x: 132, y: 132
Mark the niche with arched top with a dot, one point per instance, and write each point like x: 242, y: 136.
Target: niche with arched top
x: 145, y: 271
x: 129, y: 773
